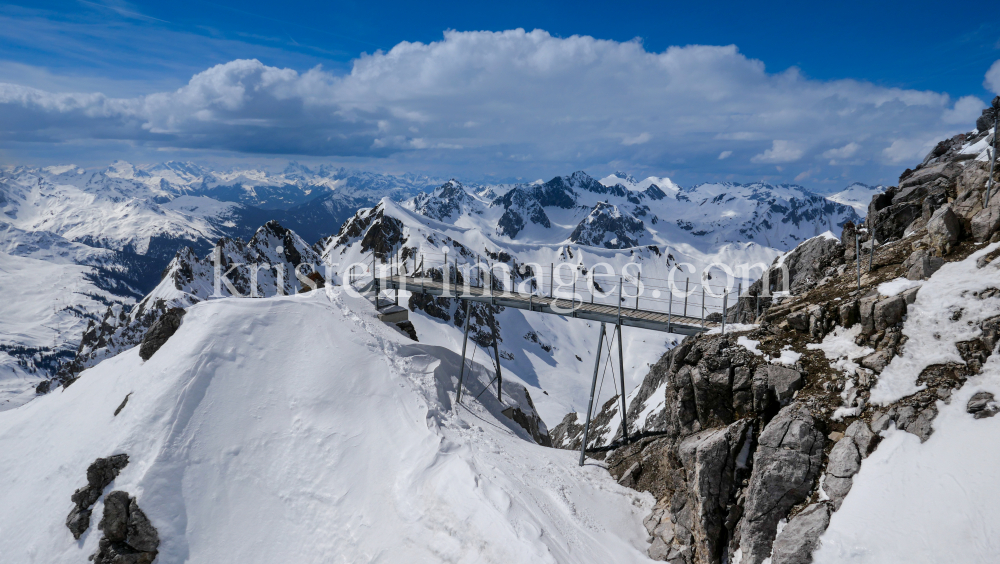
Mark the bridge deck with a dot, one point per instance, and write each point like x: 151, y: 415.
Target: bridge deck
x: 655, y: 320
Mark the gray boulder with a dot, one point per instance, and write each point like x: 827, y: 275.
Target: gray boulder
x: 877, y: 361
x: 907, y: 419
x: 982, y: 405
x: 845, y: 461
x: 800, y: 537
x: 162, y: 330
x: 889, y: 312
x: 784, y: 382
x: 785, y: 467
x: 863, y: 437
x: 985, y: 223
x: 920, y: 265
x: 849, y: 313
x: 943, y: 230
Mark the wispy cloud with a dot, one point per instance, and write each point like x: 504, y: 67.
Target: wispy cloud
x: 460, y: 101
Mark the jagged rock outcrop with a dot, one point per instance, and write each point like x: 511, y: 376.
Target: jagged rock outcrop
x: 99, y: 475
x: 608, y: 226
x: 129, y: 537
x: 158, y: 334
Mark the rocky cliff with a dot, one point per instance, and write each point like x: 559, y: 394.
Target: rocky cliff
x: 735, y: 434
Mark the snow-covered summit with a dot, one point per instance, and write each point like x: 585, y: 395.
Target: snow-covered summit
x: 858, y: 196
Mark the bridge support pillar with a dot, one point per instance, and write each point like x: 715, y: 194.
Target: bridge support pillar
x: 465, y: 341
x: 593, y: 389
x: 621, y: 377
x: 496, y: 355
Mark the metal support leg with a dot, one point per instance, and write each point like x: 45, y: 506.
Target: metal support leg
x: 593, y: 389
x: 621, y: 377
x: 496, y: 355
x: 465, y: 341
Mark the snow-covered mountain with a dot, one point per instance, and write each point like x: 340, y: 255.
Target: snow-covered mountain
x: 114, y: 231
x: 619, y: 212
x: 858, y: 196
x: 74, y: 241
x: 576, y: 220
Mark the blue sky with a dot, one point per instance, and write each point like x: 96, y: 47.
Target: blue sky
x: 795, y: 92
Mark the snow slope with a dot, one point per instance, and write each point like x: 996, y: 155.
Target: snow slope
x: 926, y: 503
x: 949, y: 308
x: 301, y: 429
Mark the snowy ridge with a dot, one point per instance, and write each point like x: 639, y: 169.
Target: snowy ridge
x: 268, y: 265
x: 347, y: 442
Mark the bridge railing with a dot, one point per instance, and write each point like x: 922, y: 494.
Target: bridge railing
x: 704, y: 296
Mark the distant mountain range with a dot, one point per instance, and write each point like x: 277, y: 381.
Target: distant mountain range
x: 75, y: 242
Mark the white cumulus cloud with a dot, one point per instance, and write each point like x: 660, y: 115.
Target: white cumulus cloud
x: 457, y: 102
x: 845, y: 152
x: 993, y: 78
x: 781, y: 151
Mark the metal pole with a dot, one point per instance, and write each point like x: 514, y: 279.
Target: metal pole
x: 621, y: 377
x: 638, y: 282
x: 496, y: 354
x: 857, y: 256
x: 593, y: 388
x: 871, y: 253
x: 687, y: 284
x: 703, y: 304
x: 552, y: 274
x: 465, y: 341
x: 621, y: 283
x: 993, y: 161
x: 725, y: 300
x: 670, y: 308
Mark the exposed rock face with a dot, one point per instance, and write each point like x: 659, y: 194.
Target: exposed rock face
x: 706, y: 392
x: 99, y: 474
x: 162, y: 330
x: 609, y: 227
x: 529, y: 423
x: 129, y: 537
x: 800, y: 537
x: 943, y: 230
x: 807, y: 265
x: 921, y: 265
x: 787, y: 462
